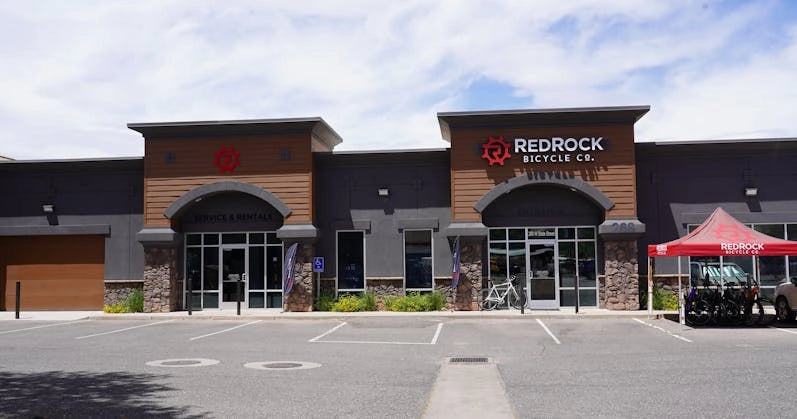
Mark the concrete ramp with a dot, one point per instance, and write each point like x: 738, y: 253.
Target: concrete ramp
x: 468, y: 387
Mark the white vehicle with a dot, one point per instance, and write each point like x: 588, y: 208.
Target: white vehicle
x: 786, y: 300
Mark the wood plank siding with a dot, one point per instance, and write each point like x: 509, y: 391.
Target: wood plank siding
x: 613, y: 172
x: 280, y: 164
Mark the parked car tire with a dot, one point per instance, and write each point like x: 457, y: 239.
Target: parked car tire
x: 783, y: 310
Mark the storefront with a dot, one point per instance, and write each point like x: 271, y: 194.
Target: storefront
x: 564, y: 200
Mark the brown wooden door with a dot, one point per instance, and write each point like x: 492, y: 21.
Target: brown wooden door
x: 55, y: 272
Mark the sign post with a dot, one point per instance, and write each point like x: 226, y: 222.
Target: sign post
x: 318, y: 267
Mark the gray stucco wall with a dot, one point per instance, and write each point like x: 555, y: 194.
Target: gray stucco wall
x: 682, y: 184
x: 346, y: 199
x: 89, y: 197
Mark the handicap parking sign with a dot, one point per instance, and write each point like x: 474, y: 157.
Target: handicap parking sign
x: 318, y: 264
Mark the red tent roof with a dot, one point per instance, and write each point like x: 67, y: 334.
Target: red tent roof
x: 723, y: 235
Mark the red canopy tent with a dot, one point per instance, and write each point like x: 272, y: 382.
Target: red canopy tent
x: 719, y: 235
x: 723, y: 235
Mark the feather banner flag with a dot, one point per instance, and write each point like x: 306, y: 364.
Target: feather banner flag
x: 289, y: 269
x: 455, y: 269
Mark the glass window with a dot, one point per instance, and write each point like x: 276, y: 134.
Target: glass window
x: 211, y: 299
x: 193, y: 239
x: 418, y: 258
x: 211, y: 269
x: 497, y: 234
x: 774, y: 230
x: 210, y: 239
x: 567, y: 297
x: 257, y: 300
x: 257, y: 238
x: 271, y: 238
x: 587, y: 276
x: 773, y: 270
x: 567, y: 233
x: 193, y: 267
x: 498, y: 260
x: 257, y: 264
x: 586, y: 233
x: 274, y: 267
x: 517, y: 234
x: 567, y: 264
x: 588, y: 297
x: 351, y: 260
x: 517, y: 259
x: 233, y: 238
x: 274, y: 299
x: 791, y: 232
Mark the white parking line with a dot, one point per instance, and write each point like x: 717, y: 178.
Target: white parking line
x: 327, y: 332
x: 225, y: 330
x: 376, y: 342
x: 433, y: 342
x: 122, y: 330
x: 549, y: 332
x: 437, y: 333
x: 675, y: 335
x: 784, y: 330
x: 39, y: 327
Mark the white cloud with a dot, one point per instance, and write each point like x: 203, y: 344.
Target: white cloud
x: 378, y: 72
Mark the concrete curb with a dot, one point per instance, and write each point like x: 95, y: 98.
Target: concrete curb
x: 476, y: 315
x: 271, y: 314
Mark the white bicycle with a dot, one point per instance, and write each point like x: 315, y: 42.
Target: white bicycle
x: 502, y: 294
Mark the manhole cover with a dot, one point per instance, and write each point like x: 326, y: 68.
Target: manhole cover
x: 281, y: 365
x: 468, y: 360
x: 183, y: 362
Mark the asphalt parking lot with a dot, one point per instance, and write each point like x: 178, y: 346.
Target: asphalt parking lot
x: 389, y: 367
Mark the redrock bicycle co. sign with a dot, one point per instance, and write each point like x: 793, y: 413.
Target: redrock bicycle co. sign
x: 543, y: 150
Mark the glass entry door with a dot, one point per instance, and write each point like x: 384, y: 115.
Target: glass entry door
x: 233, y: 270
x: 542, y: 274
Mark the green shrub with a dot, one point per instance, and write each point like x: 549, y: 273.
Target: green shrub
x: 436, y: 301
x: 367, y: 302
x: 325, y: 302
x: 387, y: 302
x: 415, y: 301
x: 662, y: 300
x: 135, y: 302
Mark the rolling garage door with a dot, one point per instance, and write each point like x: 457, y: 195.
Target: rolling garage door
x: 55, y: 272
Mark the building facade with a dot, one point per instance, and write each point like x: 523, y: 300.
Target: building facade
x: 564, y: 200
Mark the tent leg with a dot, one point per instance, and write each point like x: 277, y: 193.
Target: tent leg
x: 650, y: 288
x: 681, y: 314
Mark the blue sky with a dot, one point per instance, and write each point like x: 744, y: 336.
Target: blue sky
x: 76, y: 73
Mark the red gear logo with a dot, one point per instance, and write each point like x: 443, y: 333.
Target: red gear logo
x: 496, y: 150
x: 730, y: 232
x: 227, y: 159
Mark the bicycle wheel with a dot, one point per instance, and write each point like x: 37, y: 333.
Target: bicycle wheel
x: 700, y: 315
x: 729, y: 313
x: 489, y: 304
x: 514, y: 299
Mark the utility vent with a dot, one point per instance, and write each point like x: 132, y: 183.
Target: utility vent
x: 468, y: 360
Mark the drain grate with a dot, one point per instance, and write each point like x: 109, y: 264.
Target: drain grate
x: 468, y: 360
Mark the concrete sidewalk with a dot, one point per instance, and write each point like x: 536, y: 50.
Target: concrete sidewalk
x: 278, y: 314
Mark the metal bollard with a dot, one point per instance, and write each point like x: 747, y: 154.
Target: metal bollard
x: 190, y: 295
x: 19, y: 287
x: 238, y: 287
